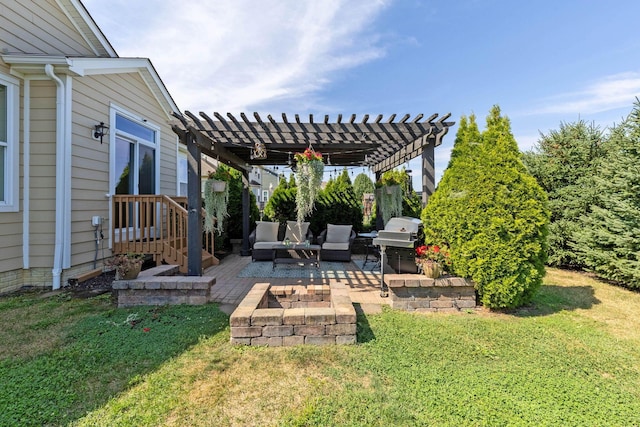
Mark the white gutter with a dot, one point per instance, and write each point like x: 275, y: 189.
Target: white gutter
x: 60, y: 176
x: 26, y: 194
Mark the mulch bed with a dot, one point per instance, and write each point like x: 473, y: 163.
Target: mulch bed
x: 95, y: 286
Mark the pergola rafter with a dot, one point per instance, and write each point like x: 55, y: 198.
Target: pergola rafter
x: 380, y: 145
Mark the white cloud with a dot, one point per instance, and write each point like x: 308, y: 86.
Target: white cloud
x: 610, y: 93
x: 233, y: 55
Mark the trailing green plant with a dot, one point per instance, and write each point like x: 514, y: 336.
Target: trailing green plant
x: 309, y: 172
x: 492, y: 214
x: 389, y: 200
x: 216, y: 202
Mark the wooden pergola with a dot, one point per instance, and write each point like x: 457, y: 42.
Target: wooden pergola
x: 379, y: 144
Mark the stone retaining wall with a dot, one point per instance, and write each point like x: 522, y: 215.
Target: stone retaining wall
x: 159, y: 286
x: 416, y: 292
x: 292, y: 315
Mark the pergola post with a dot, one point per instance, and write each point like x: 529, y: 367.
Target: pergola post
x: 246, y: 209
x: 428, y: 173
x: 194, y: 203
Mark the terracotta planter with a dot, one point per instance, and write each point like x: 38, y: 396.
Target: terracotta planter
x: 132, y: 273
x: 431, y: 269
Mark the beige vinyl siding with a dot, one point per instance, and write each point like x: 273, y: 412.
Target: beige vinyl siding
x: 43, y: 173
x: 39, y: 27
x: 11, y: 222
x: 90, y: 163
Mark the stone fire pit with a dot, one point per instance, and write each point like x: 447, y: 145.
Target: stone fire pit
x: 286, y: 315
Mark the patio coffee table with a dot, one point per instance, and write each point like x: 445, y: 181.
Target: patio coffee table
x: 308, y: 254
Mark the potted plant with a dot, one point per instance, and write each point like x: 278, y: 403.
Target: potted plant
x: 389, y: 197
x: 216, y: 199
x: 309, y: 172
x: 127, y: 265
x: 431, y: 259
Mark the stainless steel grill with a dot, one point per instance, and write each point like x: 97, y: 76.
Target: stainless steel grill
x: 398, y: 241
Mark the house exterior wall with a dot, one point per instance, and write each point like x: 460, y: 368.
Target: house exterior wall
x: 11, y: 231
x: 39, y: 27
x: 93, y: 97
x: 42, y: 28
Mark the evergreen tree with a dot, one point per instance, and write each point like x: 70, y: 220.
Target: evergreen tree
x: 608, y: 236
x: 362, y: 184
x: 564, y: 163
x: 492, y: 214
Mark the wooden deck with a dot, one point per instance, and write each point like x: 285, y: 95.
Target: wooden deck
x: 156, y: 225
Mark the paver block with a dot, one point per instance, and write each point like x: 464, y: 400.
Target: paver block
x: 246, y: 331
x: 267, y: 316
x: 341, y: 329
x: 277, y: 331
x: 308, y: 330
x: 320, y: 316
x: 293, y: 316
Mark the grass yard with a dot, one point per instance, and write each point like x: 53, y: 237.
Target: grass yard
x: 572, y: 358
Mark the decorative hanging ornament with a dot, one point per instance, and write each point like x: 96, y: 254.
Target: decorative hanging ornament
x: 259, y: 151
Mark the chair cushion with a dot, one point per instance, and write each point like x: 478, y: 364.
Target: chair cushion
x: 338, y: 233
x: 297, y: 232
x: 267, y: 231
x: 335, y: 246
x: 264, y: 245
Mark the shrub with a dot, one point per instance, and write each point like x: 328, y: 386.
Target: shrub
x: 608, y: 237
x: 492, y: 214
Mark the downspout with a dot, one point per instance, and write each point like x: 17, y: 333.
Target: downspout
x: 26, y: 175
x: 60, y: 176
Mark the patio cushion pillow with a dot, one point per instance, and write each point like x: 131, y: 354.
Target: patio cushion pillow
x: 328, y: 246
x: 338, y: 233
x: 267, y: 231
x: 296, y: 232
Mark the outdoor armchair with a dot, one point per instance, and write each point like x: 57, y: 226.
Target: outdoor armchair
x: 336, y: 242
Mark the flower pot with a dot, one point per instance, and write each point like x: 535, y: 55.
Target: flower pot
x: 431, y: 269
x: 132, y: 273
x: 218, y: 186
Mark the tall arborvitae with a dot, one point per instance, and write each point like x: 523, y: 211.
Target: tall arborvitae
x: 492, y: 214
x: 564, y: 162
x: 610, y: 233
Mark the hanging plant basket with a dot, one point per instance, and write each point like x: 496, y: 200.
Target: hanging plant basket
x: 389, y: 200
x: 215, y: 205
x: 309, y: 172
x: 218, y: 186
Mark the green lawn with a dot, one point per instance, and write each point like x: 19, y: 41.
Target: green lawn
x: 571, y: 358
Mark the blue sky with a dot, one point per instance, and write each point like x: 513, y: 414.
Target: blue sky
x: 543, y: 62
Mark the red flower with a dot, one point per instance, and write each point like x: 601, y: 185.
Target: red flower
x: 307, y: 156
x: 146, y: 329
x: 435, y: 253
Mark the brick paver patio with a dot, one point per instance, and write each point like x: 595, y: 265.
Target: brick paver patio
x: 364, y: 288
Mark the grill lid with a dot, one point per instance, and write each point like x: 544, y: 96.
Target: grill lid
x: 403, y: 223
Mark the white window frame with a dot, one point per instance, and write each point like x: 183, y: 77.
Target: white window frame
x: 113, y: 133
x: 265, y: 196
x: 182, y: 158
x: 12, y: 154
